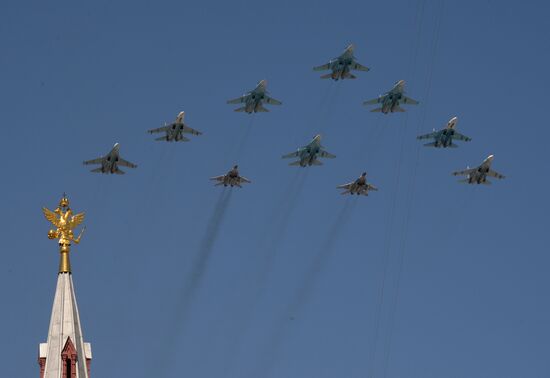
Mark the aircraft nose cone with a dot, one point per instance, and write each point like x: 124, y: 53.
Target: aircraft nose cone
x: 490, y: 157
x: 401, y: 83
x: 350, y: 47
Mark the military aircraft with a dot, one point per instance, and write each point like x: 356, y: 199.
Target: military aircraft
x: 111, y: 162
x: 359, y: 186
x: 253, y: 100
x: 479, y: 174
x: 232, y: 178
x: 309, y: 153
x: 174, y: 131
x: 444, y: 137
x: 391, y: 100
x: 341, y: 66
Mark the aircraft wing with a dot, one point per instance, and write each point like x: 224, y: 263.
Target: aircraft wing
x: 291, y: 155
x: 271, y: 100
x: 238, y: 100
x: 126, y: 163
x: 244, y: 179
x: 322, y: 68
x: 160, y: 129
x: 464, y: 172
x: 408, y: 100
x: 495, y: 174
x: 187, y: 129
x: 217, y: 178
x: 359, y: 67
x: 326, y: 154
x: 345, y: 186
x: 428, y: 136
x: 459, y: 136
x: 374, y: 101
x: 94, y: 161
x: 372, y: 187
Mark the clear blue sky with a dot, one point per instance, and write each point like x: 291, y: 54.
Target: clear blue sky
x: 293, y: 281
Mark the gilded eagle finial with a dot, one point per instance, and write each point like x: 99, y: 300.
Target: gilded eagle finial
x: 64, y: 223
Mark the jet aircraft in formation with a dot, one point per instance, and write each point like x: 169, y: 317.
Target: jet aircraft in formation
x: 392, y: 99
x: 175, y: 130
x: 307, y: 155
x: 359, y: 186
x: 253, y: 100
x: 444, y: 137
x: 111, y: 162
x: 341, y: 66
x: 478, y: 175
x: 232, y: 178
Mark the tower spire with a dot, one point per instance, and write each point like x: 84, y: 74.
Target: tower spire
x: 65, y: 354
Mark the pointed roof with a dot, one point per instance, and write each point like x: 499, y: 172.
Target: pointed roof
x: 65, y: 332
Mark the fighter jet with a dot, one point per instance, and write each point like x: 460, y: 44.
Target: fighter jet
x: 391, y: 100
x: 174, y: 131
x: 309, y: 153
x: 359, y: 186
x: 253, y: 100
x: 444, y: 137
x: 111, y: 162
x: 232, y: 178
x: 341, y: 66
x: 479, y: 174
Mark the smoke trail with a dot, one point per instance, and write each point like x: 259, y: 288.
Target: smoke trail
x: 304, y: 292
x: 239, y: 148
x: 270, y: 244
x: 192, y: 283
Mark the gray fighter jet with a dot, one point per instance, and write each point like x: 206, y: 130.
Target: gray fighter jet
x: 253, y: 100
x: 232, y: 178
x: 111, y: 162
x: 479, y: 174
x: 444, y: 138
x: 341, y: 66
x: 359, y: 186
x: 391, y: 100
x: 309, y: 153
x: 174, y: 131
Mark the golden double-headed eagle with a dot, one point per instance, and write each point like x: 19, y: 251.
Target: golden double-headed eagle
x: 65, y: 222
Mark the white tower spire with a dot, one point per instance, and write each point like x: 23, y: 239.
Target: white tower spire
x: 65, y: 354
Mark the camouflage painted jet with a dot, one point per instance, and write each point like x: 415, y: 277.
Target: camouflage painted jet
x: 479, y: 174
x: 253, y: 100
x: 232, y: 178
x: 111, y: 162
x: 309, y: 153
x: 341, y: 66
x: 174, y: 131
x: 359, y: 186
x: 444, y: 137
x: 391, y: 100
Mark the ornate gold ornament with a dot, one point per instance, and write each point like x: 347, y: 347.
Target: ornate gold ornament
x: 64, y: 222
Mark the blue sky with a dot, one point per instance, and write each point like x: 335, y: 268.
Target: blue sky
x: 425, y: 278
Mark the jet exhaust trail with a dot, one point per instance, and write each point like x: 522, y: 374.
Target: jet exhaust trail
x: 304, y: 292
x: 193, y: 281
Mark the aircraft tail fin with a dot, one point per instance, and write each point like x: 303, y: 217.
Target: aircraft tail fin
x: 377, y: 110
x: 453, y: 145
x: 296, y: 163
x: 97, y: 170
x: 430, y: 144
x: 241, y: 109
x: 316, y: 162
x: 464, y: 181
x: 486, y: 182
x: 345, y: 192
x: 350, y: 76
x: 326, y: 76
x: 162, y: 138
x: 261, y: 109
x: 398, y: 109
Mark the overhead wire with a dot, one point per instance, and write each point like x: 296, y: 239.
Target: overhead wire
x: 393, y: 202
x: 410, y: 196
